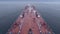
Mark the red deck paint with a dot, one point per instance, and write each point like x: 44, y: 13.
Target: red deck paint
x: 30, y: 22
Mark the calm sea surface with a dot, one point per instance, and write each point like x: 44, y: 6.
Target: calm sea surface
x: 9, y: 12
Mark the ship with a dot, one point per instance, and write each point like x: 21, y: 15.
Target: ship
x: 30, y: 22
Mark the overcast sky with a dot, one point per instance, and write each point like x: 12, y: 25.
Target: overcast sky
x: 34, y: 0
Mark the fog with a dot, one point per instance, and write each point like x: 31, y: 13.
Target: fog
x: 9, y: 12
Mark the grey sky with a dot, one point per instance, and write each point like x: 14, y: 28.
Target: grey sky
x: 33, y: 0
